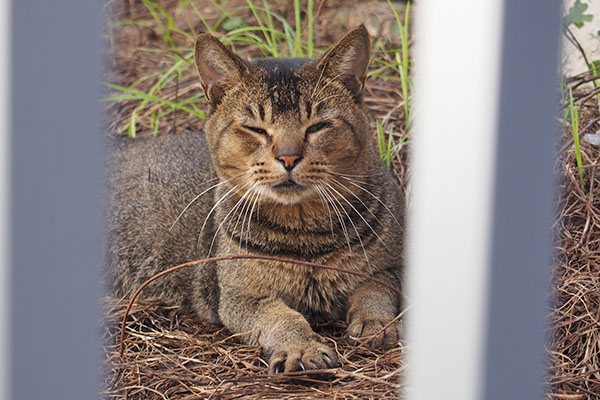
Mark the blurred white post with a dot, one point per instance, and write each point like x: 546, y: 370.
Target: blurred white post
x: 5, y: 38
x: 479, y: 233
x: 457, y: 76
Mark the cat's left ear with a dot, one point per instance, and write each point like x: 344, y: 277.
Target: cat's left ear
x: 348, y: 59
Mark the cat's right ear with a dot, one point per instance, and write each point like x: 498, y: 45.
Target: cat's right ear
x: 217, y: 66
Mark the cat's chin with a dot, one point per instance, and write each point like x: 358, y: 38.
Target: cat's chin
x: 288, y: 192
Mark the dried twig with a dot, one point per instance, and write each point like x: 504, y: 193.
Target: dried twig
x: 244, y: 257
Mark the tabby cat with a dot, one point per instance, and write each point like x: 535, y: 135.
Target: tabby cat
x: 286, y: 166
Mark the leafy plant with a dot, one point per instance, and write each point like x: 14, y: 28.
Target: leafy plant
x: 403, y: 63
x: 398, y: 61
x: 577, y: 16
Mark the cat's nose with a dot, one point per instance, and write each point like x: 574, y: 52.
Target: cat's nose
x: 289, y: 161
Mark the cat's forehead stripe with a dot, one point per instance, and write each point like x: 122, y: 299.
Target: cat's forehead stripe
x: 281, y: 82
x: 308, y: 107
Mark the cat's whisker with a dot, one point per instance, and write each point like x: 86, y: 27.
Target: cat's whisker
x: 327, y: 98
x: 355, y: 181
x: 376, y: 198
x: 325, y: 207
x: 239, y: 217
x: 359, y: 214
x: 351, y: 221
x: 349, y: 218
x: 331, y: 201
x: 249, y: 204
x: 356, y: 175
x: 312, y: 96
x: 254, y: 200
x: 261, y: 194
x: 245, y: 224
x: 240, y: 201
x: 200, y: 195
x: 214, y: 207
x: 240, y: 213
x: 216, y: 178
x: 342, y: 186
x: 243, y: 215
x: 327, y: 83
x: 234, y: 208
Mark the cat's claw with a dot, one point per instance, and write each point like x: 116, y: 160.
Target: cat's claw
x: 303, y: 357
x: 278, y: 368
x: 371, y: 330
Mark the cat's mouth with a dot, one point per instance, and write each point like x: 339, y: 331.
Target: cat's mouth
x: 288, y: 186
x: 288, y: 191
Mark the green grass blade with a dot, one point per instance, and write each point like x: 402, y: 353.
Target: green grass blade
x: 310, y: 27
x: 403, y: 62
x: 164, y: 30
x: 380, y: 140
x: 132, y: 129
x: 271, y: 27
x: 298, y: 21
x: 390, y: 146
x: 157, y: 99
x: 208, y: 28
x: 154, y: 124
x: 266, y: 33
x: 575, y: 129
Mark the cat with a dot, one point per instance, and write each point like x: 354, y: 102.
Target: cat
x: 286, y: 166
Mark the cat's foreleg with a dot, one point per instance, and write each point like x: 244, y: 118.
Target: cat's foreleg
x: 371, y: 308
x: 287, y: 339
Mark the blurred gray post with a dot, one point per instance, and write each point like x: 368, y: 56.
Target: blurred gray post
x: 55, y: 196
x: 4, y: 203
x: 479, y: 240
x: 523, y: 201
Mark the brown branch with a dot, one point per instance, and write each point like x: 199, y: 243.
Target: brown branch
x: 588, y: 96
x: 240, y: 257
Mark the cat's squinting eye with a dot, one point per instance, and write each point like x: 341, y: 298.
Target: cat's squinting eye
x: 256, y: 130
x: 317, y: 127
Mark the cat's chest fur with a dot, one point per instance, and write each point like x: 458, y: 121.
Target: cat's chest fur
x: 305, y: 231
x: 318, y: 294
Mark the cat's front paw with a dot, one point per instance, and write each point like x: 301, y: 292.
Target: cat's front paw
x: 302, y: 356
x: 370, y: 330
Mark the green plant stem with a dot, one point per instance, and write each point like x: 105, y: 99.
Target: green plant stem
x: 575, y: 130
x: 309, y: 39
x: 298, y: 21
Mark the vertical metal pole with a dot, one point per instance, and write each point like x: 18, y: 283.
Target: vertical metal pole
x: 5, y: 27
x: 523, y: 200
x: 55, y: 198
